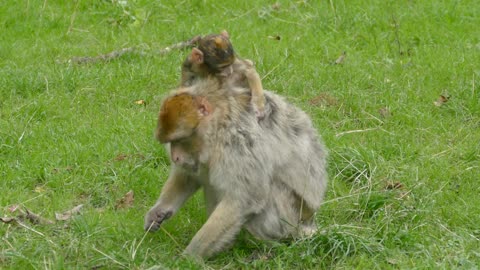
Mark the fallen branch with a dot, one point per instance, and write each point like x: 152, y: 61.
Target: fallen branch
x: 24, y: 215
x: 180, y: 45
x: 102, y: 57
x: 37, y: 219
x: 136, y: 49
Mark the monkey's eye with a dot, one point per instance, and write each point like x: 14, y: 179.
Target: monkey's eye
x: 187, y: 65
x: 178, y: 141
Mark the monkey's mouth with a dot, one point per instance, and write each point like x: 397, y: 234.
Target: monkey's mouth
x: 192, y: 167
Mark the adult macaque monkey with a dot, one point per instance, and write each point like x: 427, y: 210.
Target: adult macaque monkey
x: 268, y: 176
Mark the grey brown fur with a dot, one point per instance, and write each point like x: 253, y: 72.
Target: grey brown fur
x: 268, y: 176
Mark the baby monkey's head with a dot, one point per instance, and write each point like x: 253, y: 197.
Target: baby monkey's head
x: 217, y: 51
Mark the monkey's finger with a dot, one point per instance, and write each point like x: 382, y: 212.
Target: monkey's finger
x: 152, y: 226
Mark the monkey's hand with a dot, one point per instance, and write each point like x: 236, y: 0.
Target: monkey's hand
x: 155, y: 217
x: 258, y: 107
x: 259, y: 113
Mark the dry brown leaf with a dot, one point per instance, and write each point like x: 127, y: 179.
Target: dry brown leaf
x: 392, y: 261
x: 393, y: 185
x: 341, y: 58
x: 66, y: 169
x: 12, y: 208
x: 384, y: 112
x: 68, y: 214
x: 260, y: 256
x: 404, y: 195
x: 126, y: 201
x: 442, y: 99
x: 323, y: 99
x: 141, y: 102
x: 8, y: 219
x: 275, y: 37
x: 121, y: 157
x: 39, y: 189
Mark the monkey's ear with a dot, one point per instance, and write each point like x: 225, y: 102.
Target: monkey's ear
x: 196, y: 56
x: 203, y: 106
x: 225, y: 34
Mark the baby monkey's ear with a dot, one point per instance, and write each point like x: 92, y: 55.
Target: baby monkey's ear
x: 196, y: 56
x: 225, y: 34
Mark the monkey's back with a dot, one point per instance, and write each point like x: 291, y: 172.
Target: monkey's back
x: 298, y: 148
x: 284, y: 141
x: 288, y: 148
x: 283, y: 147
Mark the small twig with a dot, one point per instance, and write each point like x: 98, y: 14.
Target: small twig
x: 35, y: 231
x: 180, y: 45
x: 72, y: 19
x: 274, y: 68
x: 341, y: 58
x: 405, y: 194
x: 397, y: 38
x: 240, y: 16
x: 25, y: 128
x: 110, y: 257
x: 135, y: 49
x: 165, y: 231
x: 102, y: 57
x: 30, y: 229
x: 334, y: 11
x: 36, y: 219
x: 171, y: 237
x: 354, y: 131
x: 473, y: 85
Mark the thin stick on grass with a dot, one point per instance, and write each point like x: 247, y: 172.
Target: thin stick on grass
x: 37, y: 219
x: 35, y: 231
x: 354, y: 131
x: 110, y: 257
x: 473, y: 85
x: 165, y: 231
x: 241, y: 15
x: 135, y: 49
x: 274, y: 68
x: 180, y: 45
x: 397, y: 36
x: 72, y: 19
x: 102, y: 57
x: 171, y: 237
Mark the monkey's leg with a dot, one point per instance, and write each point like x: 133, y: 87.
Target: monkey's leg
x: 220, y: 229
x: 178, y: 188
x: 255, y: 84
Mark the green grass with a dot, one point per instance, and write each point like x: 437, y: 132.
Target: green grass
x: 403, y: 190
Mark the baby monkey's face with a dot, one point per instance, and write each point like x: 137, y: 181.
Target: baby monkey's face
x: 217, y: 51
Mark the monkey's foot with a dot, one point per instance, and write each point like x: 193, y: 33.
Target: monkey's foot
x: 308, y: 230
x: 154, y: 219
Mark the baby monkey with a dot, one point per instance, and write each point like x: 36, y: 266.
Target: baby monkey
x: 215, y: 56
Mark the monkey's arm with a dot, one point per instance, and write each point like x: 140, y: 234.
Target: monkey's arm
x: 242, y: 187
x: 178, y: 188
x: 220, y: 229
